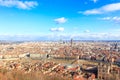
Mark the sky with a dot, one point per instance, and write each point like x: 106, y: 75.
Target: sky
x: 59, y: 19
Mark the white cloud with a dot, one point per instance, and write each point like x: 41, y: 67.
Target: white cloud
x: 60, y: 20
x: 57, y: 29
x: 104, y: 9
x: 94, y: 1
x: 106, y: 18
x: 60, y: 29
x: 93, y: 11
x: 87, y: 31
x: 18, y: 4
x: 115, y: 19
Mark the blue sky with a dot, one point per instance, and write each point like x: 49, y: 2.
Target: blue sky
x: 59, y: 19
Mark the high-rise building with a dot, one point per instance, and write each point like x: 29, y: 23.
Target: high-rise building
x: 71, y: 42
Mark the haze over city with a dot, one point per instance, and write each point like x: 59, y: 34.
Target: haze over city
x: 59, y: 19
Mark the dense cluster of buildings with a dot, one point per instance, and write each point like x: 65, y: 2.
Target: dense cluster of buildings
x: 84, y: 60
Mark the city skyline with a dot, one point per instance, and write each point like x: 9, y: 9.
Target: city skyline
x: 59, y: 19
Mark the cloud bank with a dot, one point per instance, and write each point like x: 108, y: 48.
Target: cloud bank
x: 64, y: 36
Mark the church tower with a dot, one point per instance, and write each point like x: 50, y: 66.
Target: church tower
x: 104, y: 71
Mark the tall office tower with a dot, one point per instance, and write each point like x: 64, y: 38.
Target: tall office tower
x: 71, y: 42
